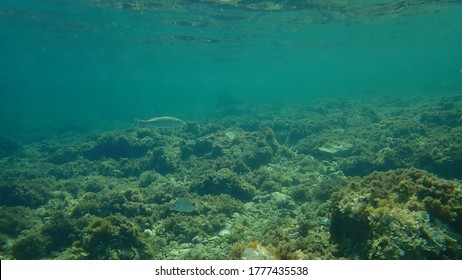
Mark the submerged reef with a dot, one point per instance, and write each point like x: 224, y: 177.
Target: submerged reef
x: 368, y: 179
x: 399, y: 214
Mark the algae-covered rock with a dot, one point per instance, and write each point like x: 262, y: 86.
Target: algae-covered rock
x: 261, y: 151
x: 14, y: 220
x: 220, y: 204
x: 225, y: 181
x: 147, y: 178
x: 129, y: 203
x: 113, y: 237
x: 401, y: 214
x: 202, y: 146
x: 182, y: 227
x: 60, y: 229
x: 31, y: 246
x: 443, y: 153
x: 258, y: 157
x: 44, y: 239
x: 30, y: 193
x: 335, y: 148
x: 116, y: 146
x: 163, y: 160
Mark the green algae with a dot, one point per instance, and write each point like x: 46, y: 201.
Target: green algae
x: 400, y: 214
x: 280, y: 188
x: 225, y: 181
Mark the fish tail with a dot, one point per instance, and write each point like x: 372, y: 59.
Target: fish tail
x: 139, y: 122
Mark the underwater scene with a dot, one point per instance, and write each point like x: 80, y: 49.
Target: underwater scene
x: 230, y: 129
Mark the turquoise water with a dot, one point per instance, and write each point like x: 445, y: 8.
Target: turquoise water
x: 97, y: 65
x: 301, y: 129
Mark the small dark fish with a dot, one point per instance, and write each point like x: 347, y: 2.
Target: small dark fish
x: 184, y: 205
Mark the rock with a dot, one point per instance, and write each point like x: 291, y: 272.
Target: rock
x: 283, y: 200
x: 224, y: 233
x: 148, y: 233
x: 197, y: 239
x: 336, y: 149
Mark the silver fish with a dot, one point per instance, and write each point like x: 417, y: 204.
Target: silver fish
x: 183, y: 204
x: 161, y: 122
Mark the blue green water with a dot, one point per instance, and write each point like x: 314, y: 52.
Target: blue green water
x: 302, y: 129
x: 91, y: 64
